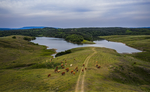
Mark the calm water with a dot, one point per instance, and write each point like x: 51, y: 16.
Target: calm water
x: 61, y: 45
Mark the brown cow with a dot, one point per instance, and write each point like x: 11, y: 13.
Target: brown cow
x: 67, y: 69
x: 63, y: 73
x: 55, y: 70
x: 83, y: 64
x: 82, y: 70
x: 49, y: 75
x: 99, y: 67
x: 71, y: 71
x: 63, y: 67
x: 85, y: 68
x: 77, y: 70
x: 57, y: 67
x: 96, y: 65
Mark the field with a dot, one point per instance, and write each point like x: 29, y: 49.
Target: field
x: 118, y: 72
x: 141, y: 42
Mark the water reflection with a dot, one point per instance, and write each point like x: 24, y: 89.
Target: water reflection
x: 62, y: 45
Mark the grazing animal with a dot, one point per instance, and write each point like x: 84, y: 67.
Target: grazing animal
x: 61, y: 61
x: 58, y: 71
x: 99, y: 67
x: 74, y: 59
x: 77, y: 70
x: 57, y: 67
x: 83, y: 64
x: 49, y: 75
x: 134, y: 62
x: 85, y: 68
x: 96, y: 62
x: 82, y: 70
x: 67, y: 69
x: 70, y: 64
x: 55, y: 70
x: 71, y: 71
x: 63, y: 67
x: 96, y: 65
x: 63, y: 73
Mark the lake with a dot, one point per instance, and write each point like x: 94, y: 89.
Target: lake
x: 62, y: 45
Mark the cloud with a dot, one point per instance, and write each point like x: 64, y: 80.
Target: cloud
x: 74, y: 12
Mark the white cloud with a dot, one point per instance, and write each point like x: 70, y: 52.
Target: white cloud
x: 91, y: 10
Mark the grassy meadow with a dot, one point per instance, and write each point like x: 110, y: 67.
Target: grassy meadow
x: 118, y: 72
x: 141, y: 42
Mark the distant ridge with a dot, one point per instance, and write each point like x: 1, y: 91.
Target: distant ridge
x: 29, y: 27
x: 40, y: 27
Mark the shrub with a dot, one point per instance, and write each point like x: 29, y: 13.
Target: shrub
x: 14, y: 37
x: 63, y: 53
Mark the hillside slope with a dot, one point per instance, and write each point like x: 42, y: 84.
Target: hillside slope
x: 117, y: 72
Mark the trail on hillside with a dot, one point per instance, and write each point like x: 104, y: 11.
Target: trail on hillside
x: 80, y: 80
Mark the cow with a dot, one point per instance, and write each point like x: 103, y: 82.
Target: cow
x: 67, y: 69
x: 63, y: 67
x: 82, y: 70
x: 96, y: 65
x: 63, y: 73
x: 57, y: 67
x: 61, y: 61
x: 99, y: 67
x: 77, y: 70
x: 49, y: 75
x: 70, y: 65
x: 83, y: 64
x: 58, y: 71
x: 55, y: 70
x: 85, y: 68
x: 134, y: 62
x: 71, y: 71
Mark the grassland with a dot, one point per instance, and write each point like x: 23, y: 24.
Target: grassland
x: 118, y: 72
x: 141, y: 42
x: 87, y: 42
x: 15, y: 53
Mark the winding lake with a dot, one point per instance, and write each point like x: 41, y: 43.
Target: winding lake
x: 62, y: 45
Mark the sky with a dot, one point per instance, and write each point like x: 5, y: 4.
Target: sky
x: 74, y: 13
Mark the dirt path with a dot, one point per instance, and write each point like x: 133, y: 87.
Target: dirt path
x: 81, y: 81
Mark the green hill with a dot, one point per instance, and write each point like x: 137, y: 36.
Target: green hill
x: 118, y: 72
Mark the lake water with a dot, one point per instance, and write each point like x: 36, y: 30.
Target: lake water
x: 62, y: 45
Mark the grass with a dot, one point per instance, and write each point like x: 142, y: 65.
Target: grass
x: 117, y: 73
x: 18, y: 52
x: 141, y: 42
x: 87, y: 42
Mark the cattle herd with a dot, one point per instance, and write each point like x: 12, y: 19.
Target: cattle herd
x: 72, y: 71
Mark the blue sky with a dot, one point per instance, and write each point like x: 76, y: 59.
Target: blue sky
x: 74, y: 13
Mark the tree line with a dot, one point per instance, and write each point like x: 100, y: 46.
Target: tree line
x: 77, y: 35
